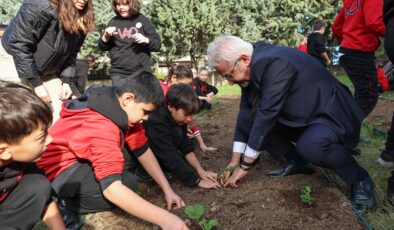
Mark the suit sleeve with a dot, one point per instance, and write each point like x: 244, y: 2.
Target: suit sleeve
x: 27, y: 29
x: 244, y: 123
x: 373, y: 16
x: 160, y: 141
x: 338, y: 25
x: 276, y: 77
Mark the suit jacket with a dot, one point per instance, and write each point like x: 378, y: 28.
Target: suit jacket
x: 294, y: 89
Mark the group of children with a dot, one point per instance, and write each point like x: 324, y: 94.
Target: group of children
x: 87, y: 154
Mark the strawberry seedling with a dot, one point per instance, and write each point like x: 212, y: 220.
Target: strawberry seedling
x: 196, y: 212
x: 305, y: 195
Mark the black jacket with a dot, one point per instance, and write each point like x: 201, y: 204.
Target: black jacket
x: 388, y: 10
x: 316, y: 46
x: 39, y: 45
x: 203, y: 88
x: 291, y: 88
x: 127, y: 56
x: 168, y: 141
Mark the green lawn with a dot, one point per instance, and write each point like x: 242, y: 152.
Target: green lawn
x: 229, y: 90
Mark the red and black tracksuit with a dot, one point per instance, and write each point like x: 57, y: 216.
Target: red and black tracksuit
x: 87, y: 152
x: 24, y: 194
x: 358, y: 27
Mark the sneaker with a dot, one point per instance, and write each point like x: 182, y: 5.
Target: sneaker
x: 72, y: 220
x: 363, y: 196
x: 386, y: 159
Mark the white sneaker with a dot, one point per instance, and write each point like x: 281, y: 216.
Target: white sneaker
x: 384, y: 163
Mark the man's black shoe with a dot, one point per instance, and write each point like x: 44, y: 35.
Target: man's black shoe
x: 292, y: 168
x: 363, y: 196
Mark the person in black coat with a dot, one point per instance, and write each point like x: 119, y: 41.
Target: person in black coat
x: 166, y: 130
x: 44, y: 39
x: 287, y: 98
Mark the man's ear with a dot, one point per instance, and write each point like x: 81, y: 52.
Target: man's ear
x: 5, y: 154
x: 245, y: 59
x: 126, y: 98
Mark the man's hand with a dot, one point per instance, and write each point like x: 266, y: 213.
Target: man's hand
x: 66, y: 92
x: 204, y: 183
x: 236, y: 177
x: 172, y: 198
x: 42, y: 92
x: 139, y: 38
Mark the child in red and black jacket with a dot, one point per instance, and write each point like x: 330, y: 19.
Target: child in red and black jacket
x: 86, y: 162
x: 204, y: 91
x: 166, y: 130
x: 358, y: 27
x: 25, y: 192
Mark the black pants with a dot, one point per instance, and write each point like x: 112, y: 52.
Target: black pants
x: 24, y: 206
x: 82, y: 192
x: 361, y: 69
x: 317, y: 144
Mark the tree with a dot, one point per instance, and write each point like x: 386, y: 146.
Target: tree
x: 8, y: 9
x: 185, y: 27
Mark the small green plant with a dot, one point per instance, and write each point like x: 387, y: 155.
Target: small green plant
x: 196, y: 213
x: 305, y: 195
x: 225, y: 175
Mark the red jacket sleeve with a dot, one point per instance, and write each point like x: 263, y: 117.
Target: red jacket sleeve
x: 135, y: 137
x: 373, y: 16
x: 98, y: 141
x: 338, y: 25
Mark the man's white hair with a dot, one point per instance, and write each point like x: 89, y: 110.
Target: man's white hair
x: 227, y: 48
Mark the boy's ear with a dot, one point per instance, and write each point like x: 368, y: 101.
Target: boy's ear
x: 4, y: 152
x: 126, y: 98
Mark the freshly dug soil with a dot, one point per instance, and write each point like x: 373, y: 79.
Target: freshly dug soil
x: 260, y: 202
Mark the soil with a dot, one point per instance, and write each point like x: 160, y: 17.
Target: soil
x: 380, y: 118
x: 260, y: 202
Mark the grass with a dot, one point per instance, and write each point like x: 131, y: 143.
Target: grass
x: 229, y: 90
x: 383, y: 216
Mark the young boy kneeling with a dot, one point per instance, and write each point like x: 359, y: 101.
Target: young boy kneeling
x: 85, y: 161
x: 25, y: 192
x: 167, y: 133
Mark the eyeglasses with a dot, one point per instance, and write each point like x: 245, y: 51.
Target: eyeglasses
x: 229, y: 75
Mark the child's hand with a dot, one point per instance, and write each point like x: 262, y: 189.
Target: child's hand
x: 172, y: 222
x: 208, y: 175
x: 204, y: 183
x: 108, y: 33
x: 139, y: 38
x: 172, y: 198
x: 206, y: 148
x: 189, y: 133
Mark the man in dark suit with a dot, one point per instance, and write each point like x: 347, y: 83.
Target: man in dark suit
x: 291, y: 106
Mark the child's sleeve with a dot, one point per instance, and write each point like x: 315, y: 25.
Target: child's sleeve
x: 154, y: 38
x: 161, y: 143
x: 137, y: 140
x: 212, y: 89
x: 105, y: 46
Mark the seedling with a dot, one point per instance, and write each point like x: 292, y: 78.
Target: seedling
x: 196, y: 212
x: 225, y: 175
x: 305, y: 195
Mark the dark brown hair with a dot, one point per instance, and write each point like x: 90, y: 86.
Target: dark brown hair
x: 134, y: 6
x: 180, y: 71
x: 318, y: 24
x: 73, y: 20
x: 21, y: 112
x: 182, y: 96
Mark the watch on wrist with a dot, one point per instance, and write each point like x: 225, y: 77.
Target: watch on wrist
x: 244, y: 167
x: 242, y: 162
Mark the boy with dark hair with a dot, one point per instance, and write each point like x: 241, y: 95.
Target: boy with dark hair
x: 317, y: 44
x: 86, y: 162
x: 25, y: 193
x: 358, y: 28
x: 204, y: 91
x: 167, y: 133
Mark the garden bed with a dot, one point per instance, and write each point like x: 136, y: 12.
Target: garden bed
x: 259, y: 203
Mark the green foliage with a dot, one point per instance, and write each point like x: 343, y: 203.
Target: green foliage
x: 305, y: 195
x: 8, y: 10
x: 208, y: 225
x: 196, y: 212
x: 231, y: 168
